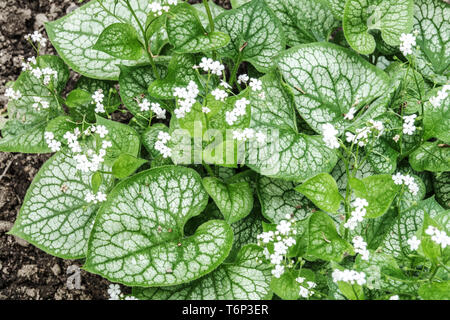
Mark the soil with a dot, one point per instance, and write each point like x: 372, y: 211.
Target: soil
x: 27, y: 273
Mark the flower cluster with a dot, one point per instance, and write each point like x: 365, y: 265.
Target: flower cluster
x: 243, y: 79
x: 441, y: 95
x: 161, y: 144
x: 91, y: 161
x: 357, y: 214
x: 46, y: 74
x: 29, y: 65
x: 330, y: 136
x: 407, y: 180
x: 219, y: 94
x: 247, y: 134
x: 40, y: 103
x: 305, y: 290
x: 37, y: 37
x: 209, y: 65
x: 53, y: 144
x: 116, y: 294
x: 239, y: 110
x: 145, y: 105
x: 407, y: 42
x: 280, y: 240
x: 12, y: 94
x: 186, y: 98
x: 408, y: 124
x: 95, y: 198
x: 361, y: 247
x: 361, y: 137
x: 439, y: 237
x: 349, y: 276
x: 414, y: 243
x: 98, y: 97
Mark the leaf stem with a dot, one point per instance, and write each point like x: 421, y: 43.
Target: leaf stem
x: 208, y: 11
x: 208, y: 169
x: 145, y: 45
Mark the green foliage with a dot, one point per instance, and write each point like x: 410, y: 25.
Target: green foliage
x: 176, y: 175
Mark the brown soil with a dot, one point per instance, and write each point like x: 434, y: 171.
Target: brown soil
x: 25, y: 271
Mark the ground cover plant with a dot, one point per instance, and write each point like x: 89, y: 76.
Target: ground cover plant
x: 291, y: 149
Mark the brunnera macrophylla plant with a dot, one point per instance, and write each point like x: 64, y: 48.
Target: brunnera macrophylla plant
x: 290, y: 148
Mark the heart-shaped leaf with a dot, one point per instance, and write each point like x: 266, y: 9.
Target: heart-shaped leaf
x: 278, y: 198
x: 27, y: 125
x: 391, y: 17
x: 286, y: 154
x: 441, y: 185
x: 134, y: 82
x: 322, y: 190
x: 121, y: 41
x: 435, y: 290
x: 187, y: 34
x: 328, y: 80
x: 432, y: 57
x: 180, y: 72
x: 55, y: 216
x: 124, y: 139
x: 141, y: 242
x: 304, y: 21
x: 75, y: 34
x: 248, y: 278
x: 234, y: 200
x: 378, y: 190
x: 406, y: 226
x: 324, y: 241
x: 256, y: 34
x: 436, y: 119
x: 431, y: 156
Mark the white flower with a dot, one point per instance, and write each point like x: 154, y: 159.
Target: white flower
x: 217, y: 68
x: 266, y: 237
x: 255, y: 84
x: 172, y: 2
x: 437, y: 236
x: 304, y: 293
x: 13, y: 94
x: 144, y: 105
x: 206, y: 110
x: 357, y: 215
x: 240, y: 109
x: 300, y: 279
x: 361, y: 247
x: 114, y: 291
x: 442, y: 94
x: 28, y: 66
x: 349, y: 276
x: 40, y: 103
x: 284, y: 227
x: 159, y: 112
x: 219, y: 94
x: 396, y: 297
x: 329, y: 136
x: 208, y: 64
x: 396, y: 138
x: 101, y: 197
x: 225, y: 84
x: 350, y: 114
x: 408, y: 124
x: 278, y: 271
x: 243, y: 78
x: 161, y: 144
x: 350, y: 137
x: 407, y: 42
x: 101, y: 131
x: 398, y: 178
x: 414, y: 243
x: 186, y: 98
x: 37, y: 37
